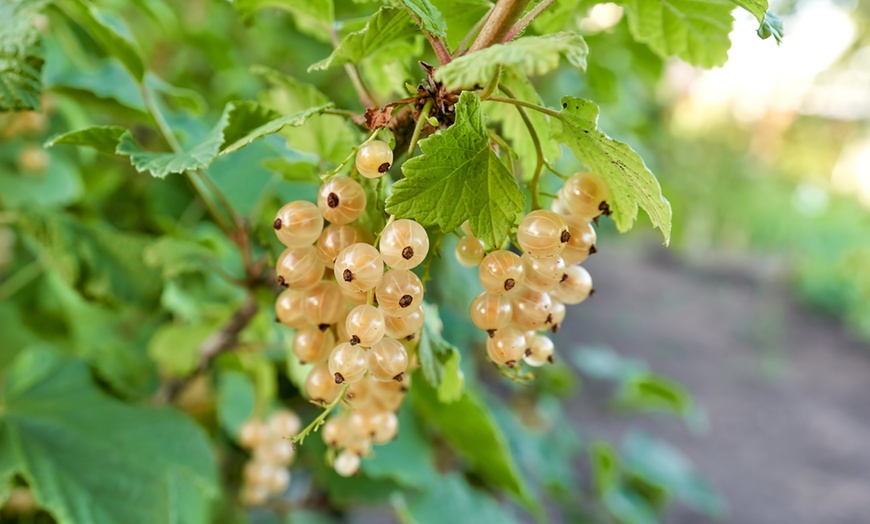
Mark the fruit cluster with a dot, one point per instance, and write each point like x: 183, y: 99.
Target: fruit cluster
x: 527, y: 294
x: 266, y: 472
x: 353, y: 318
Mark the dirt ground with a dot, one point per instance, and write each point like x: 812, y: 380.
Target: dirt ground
x: 787, y: 390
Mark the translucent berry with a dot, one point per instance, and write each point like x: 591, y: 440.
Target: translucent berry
x: 341, y: 200
x: 312, y: 344
x: 354, y: 298
x: 346, y: 463
x: 543, y: 233
x: 404, y: 244
x: 585, y: 195
x: 374, y: 158
x: 557, y: 315
x: 501, y: 272
x: 333, y: 240
x: 277, y: 452
x: 388, y: 360
x: 320, y: 384
x: 543, y: 274
x: 257, y: 472
x: 531, y: 309
x: 324, y: 304
x: 466, y: 229
x: 279, y: 481
x: 582, y: 242
x: 575, y: 286
x: 507, y: 346
x: 254, y: 494
x: 284, y: 423
x: 299, y: 268
x: 333, y: 431
x: 252, y: 433
x: 491, y: 312
x: 385, y: 427
x: 298, y: 224
x: 347, y: 363
x: 288, y: 309
x: 539, y: 352
x: 400, y: 293
x: 359, y: 267
x: 401, y: 327
x: 470, y: 251
x: 365, y: 326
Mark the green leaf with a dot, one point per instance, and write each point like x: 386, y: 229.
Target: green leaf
x: 236, y: 400
x: 112, y: 42
x: 627, y: 507
x: 631, y: 183
x: 385, y: 28
x: 90, y: 459
x: 695, y: 30
x: 104, y: 139
x: 605, y: 466
x: 655, y: 393
x: 756, y: 7
x: 532, y: 55
x: 313, y: 17
x: 458, y: 177
x: 470, y: 429
x: 175, y: 348
x: 429, y: 15
x: 461, y: 16
x: 439, y: 359
x: 249, y: 121
x: 160, y: 165
x: 453, y: 499
x: 771, y: 25
x: 408, y: 460
x: 20, y: 57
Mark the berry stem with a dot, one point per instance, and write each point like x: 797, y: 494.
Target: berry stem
x: 524, y: 22
x: 522, y: 103
x: 539, y: 152
x: 493, y: 84
x: 299, y: 438
x: 418, y: 127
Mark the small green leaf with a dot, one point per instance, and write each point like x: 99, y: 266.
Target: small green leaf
x: 160, y: 165
x: 695, y: 30
x: 104, y: 139
x: 771, y: 25
x: 235, y: 401
x: 429, y: 15
x: 452, y: 381
x: 385, y: 28
x: 249, y: 121
x: 756, y: 7
x: 655, y: 393
x: 20, y: 57
x: 605, y: 466
x: 439, y: 359
x: 90, y: 459
x: 631, y: 183
x: 313, y: 17
x: 627, y: 507
x: 175, y: 347
x: 112, y: 42
x: 531, y: 55
x: 453, y: 499
x: 458, y: 177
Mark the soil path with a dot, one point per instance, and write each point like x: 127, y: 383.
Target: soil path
x: 787, y: 391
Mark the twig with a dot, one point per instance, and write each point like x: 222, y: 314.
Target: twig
x: 539, y: 151
x: 418, y: 128
x: 461, y: 48
x: 522, y: 103
x: 440, y: 49
x: 553, y: 170
x: 497, y: 25
x: 524, y: 22
x: 492, y: 85
x: 299, y: 438
x: 365, y: 97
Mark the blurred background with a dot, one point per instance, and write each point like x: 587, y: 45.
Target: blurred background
x: 760, y: 307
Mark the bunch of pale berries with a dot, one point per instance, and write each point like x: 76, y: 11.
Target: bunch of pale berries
x: 335, y: 276
x: 266, y: 472
x: 526, y: 294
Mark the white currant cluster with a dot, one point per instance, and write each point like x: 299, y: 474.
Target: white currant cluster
x: 266, y: 473
x: 353, y: 318
x: 526, y: 294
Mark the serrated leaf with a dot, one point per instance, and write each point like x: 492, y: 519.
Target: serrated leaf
x: 695, y: 30
x: 20, y: 57
x: 160, y: 165
x: 631, y: 183
x: 313, y: 17
x: 429, y: 15
x: 104, y: 139
x: 385, y: 28
x: 112, y: 42
x: 249, y: 121
x: 532, y: 55
x: 771, y: 25
x: 756, y: 7
x: 438, y: 358
x: 458, y: 177
x: 64, y: 436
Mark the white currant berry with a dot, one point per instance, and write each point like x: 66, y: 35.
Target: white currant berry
x: 557, y: 316
x: 254, y: 494
x: 320, y: 384
x: 501, y: 272
x: 359, y: 267
x: 531, y: 309
x: 389, y: 395
x: 324, y: 304
x: 334, y: 239
x: 288, y: 309
x: 490, y: 312
x: 347, y: 363
x: 354, y: 298
x: 298, y: 224
x: 341, y: 200
x: 400, y: 292
x: 385, y: 427
x: 252, y: 433
x: 312, y: 344
x: 404, y: 244
x: 333, y: 431
x: 359, y: 446
x: 470, y: 251
x: 299, y: 268
x: 582, y: 242
x: 575, y: 286
x: 346, y: 463
x: 539, y: 352
x: 387, y: 360
x: 365, y: 326
x: 374, y: 158
x: 257, y: 472
x: 543, y: 233
x: 279, y: 481
x: 543, y: 274
x: 284, y: 423
x: 401, y: 327
x: 466, y: 229
x: 585, y: 194
x: 278, y: 452
x: 507, y: 346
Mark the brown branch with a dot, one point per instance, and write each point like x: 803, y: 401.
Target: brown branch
x: 497, y: 26
x: 521, y: 26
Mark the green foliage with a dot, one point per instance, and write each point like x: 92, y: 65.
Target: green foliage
x: 771, y: 25
x: 439, y: 360
x: 20, y: 59
x: 459, y: 178
x: 429, y: 15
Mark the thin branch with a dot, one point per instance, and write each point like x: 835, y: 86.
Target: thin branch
x: 522, y: 103
x: 440, y: 49
x: 497, y: 25
x: 418, y: 128
x: 493, y: 84
x: 524, y: 22
x: 461, y: 48
x: 539, y: 151
x: 365, y: 97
